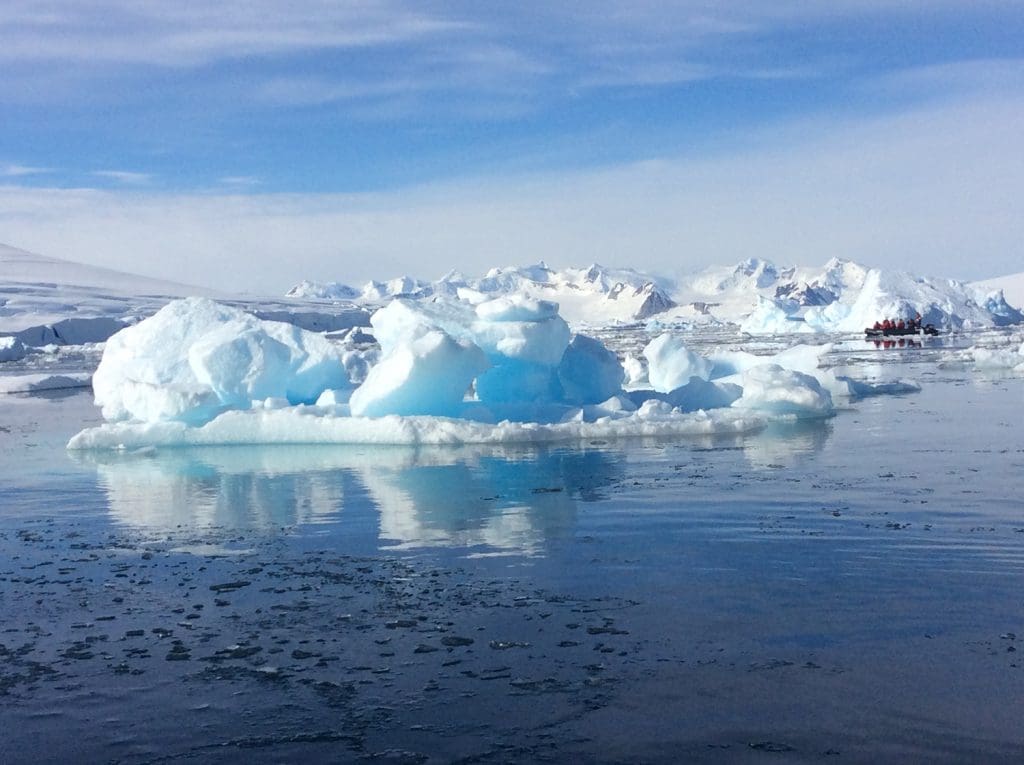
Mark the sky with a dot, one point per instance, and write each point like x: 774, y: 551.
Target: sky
x: 250, y: 145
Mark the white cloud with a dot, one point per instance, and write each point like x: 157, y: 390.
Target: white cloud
x: 935, y: 190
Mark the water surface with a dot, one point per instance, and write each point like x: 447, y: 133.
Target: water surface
x: 847, y: 590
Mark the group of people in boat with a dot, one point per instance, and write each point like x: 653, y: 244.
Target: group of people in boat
x: 889, y: 324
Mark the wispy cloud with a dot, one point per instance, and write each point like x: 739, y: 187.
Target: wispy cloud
x: 171, y: 33
x: 542, y: 44
x: 19, y: 171
x: 239, y: 181
x: 934, y: 190
x: 126, y: 177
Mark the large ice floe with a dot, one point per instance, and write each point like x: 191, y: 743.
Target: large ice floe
x: 470, y: 370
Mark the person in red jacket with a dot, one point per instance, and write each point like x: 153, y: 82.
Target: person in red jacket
x: 901, y: 324
x: 886, y: 324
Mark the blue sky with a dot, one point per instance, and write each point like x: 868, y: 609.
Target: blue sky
x: 342, y: 141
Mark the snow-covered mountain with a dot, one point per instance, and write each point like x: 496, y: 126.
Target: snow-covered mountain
x: 46, y: 301
x: 841, y: 296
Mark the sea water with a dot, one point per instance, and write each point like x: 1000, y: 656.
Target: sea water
x: 849, y: 588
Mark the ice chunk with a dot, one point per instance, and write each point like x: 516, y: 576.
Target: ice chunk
x: 524, y: 340
x: 404, y: 320
x: 800, y: 358
x: 196, y: 358
x: 773, y: 389
x: 635, y: 369
x: 998, y: 358
x: 697, y: 394
x: 841, y: 386
x: 670, y: 364
x: 541, y: 341
x: 428, y: 375
x: 12, y: 349
x: 589, y: 372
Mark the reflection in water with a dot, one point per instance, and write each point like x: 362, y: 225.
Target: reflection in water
x: 497, y: 498
x: 500, y: 499
x: 231, y: 488
x: 786, y: 444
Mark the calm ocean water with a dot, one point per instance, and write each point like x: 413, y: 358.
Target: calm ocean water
x: 847, y: 589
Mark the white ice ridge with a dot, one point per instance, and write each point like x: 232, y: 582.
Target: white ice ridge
x: 500, y: 371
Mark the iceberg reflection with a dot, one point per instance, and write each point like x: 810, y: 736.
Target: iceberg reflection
x: 786, y: 444
x: 497, y: 499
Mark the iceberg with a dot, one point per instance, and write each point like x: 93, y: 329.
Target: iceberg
x: 196, y: 358
x: 503, y: 370
x: 12, y: 349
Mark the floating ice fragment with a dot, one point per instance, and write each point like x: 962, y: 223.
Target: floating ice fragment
x: 772, y: 389
x: 670, y: 364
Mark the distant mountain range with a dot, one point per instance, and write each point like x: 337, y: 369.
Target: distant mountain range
x: 841, y: 296
x: 45, y: 300
x: 585, y: 295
